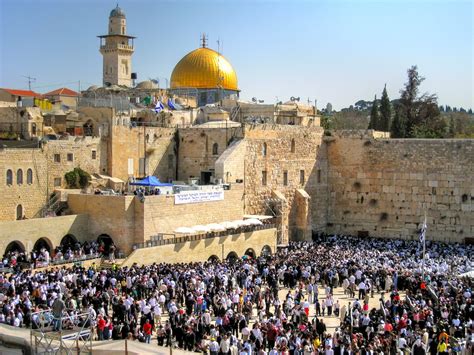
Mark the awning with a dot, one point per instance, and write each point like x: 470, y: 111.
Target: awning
x: 150, y: 181
x: 255, y: 216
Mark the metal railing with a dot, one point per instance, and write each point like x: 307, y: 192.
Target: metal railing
x: 160, y: 239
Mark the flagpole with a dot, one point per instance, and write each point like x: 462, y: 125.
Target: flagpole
x: 424, y: 250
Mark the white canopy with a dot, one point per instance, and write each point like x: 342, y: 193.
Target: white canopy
x: 216, y: 227
x: 201, y: 229
x: 184, y: 230
x: 253, y: 222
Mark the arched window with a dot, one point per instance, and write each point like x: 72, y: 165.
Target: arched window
x: 293, y: 148
x: 19, y: 212
x: 215, y: 149
x: 29, y: 176
x: 264, y: 149
x: 19, y: 176
x: 9, y: 177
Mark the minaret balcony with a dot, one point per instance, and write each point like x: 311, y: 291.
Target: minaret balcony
x: 116, y: 46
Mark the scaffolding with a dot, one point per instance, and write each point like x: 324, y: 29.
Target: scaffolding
x: 69, y: 334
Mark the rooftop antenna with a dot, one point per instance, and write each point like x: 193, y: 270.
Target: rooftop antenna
x: 203, y: 40
x: 30, y: 80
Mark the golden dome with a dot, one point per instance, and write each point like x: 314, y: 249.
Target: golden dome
x: 201, y: 69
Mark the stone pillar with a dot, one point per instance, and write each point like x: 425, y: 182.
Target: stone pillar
x: 303, y: 214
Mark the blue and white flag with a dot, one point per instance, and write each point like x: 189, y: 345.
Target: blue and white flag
x: 171, y: 104
x: 423, y: 232
x: 159, y: 107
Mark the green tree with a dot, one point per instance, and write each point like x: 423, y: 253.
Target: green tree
x: 385, y: 112
x: 418, y: 111
x: 397, y: 128
x: 452, y: 127
x: 77, y: 178
x: 374, y: 115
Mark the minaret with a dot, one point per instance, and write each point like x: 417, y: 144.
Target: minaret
x: 117, y: 49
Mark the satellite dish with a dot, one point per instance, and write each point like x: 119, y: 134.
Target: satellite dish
x: 254, y: 99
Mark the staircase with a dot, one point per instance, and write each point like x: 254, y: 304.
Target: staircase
x: 53, y: 206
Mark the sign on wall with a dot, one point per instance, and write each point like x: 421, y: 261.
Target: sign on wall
x: 198, y: 196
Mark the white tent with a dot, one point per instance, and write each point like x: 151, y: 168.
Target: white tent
x: 216, y: 227
x: 230, y: 225
x: 253, y: 222
x: 201, y: 229
x: 184, y: 230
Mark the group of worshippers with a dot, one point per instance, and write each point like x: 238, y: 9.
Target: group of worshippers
x: 275, y: 304
x: 66, y: 252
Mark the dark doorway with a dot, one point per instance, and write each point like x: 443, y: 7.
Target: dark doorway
x: 68, y: 241
x: 42, y: 243
x: 13, y: 247
x: 205, y: 177
x: 106, y: 241
x: 232, y: 257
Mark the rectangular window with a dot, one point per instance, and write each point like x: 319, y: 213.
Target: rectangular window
x: 57, y: 182
x: 170, y: 161
x: 319, y: 176
x: 285, y: 178
x: 57, y: 158
x: 70, y: 157
x: 264, y: 178
x: 301, y: 177
x: 94, y: 155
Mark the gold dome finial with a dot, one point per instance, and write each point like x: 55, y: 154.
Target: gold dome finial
x: 203, y: 40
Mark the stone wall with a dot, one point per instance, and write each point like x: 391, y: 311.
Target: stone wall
x: 28, y: 232
x: 230, y: 166
x: 278, y: 151
x: 48, y: 166
x: 385, y: 186
x: 128, y: 221
x: 202, y: 250
x: 196, y: 149
x: 130, y: 143
x: 29, y: 196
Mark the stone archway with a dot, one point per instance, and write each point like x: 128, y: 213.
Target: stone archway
x: 68, y: 240
x: 266, y: 251
x: 106, y: 241
x: 213, y: 259
x: 43, y: 243
x: 15, y: 246
x: 251, y: 253
x: 232, y: 257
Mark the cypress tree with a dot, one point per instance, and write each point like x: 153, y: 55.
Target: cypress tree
x: 398, y: 126
x: 374, y: 115
x: 385, y: 112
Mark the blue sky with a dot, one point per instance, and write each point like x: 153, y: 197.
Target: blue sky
x: 333, y: 51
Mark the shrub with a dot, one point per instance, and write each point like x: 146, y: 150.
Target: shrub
x: 77, y: 178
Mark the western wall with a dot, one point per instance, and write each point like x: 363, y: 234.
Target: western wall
x: 382, y: 187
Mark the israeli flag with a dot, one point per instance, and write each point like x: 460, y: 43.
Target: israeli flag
x: 423, y: 232
x: 159, y: 107
x: 171, y: 104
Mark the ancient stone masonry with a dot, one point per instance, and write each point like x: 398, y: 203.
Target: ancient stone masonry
x: 128, y: 145
x: 199, y: 149
x: 279, y: 160
x: 383, y: 187
x: 35, y: 173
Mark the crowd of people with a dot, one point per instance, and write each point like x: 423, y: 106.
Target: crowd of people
x: 41, y: 256
x: 276, y: 304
